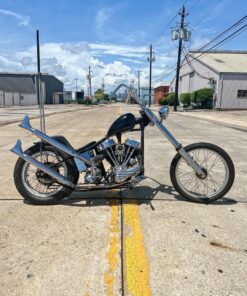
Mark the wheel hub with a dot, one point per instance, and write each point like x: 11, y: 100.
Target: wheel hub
x: 43, y: 177
x: 202, y: 177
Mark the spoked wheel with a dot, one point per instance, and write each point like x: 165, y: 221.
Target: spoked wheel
x: 38, y: 187
x: 218, y: 168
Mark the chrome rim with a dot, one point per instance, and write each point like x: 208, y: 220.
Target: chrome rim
x: 33, y: 184
x: 217, y: 174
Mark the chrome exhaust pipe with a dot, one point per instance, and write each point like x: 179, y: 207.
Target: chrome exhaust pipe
x: 17, y: 149
x: 60, y: 146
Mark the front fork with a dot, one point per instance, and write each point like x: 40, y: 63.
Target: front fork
x: 174, y: 142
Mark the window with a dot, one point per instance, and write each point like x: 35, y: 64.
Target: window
x: 242, y: 94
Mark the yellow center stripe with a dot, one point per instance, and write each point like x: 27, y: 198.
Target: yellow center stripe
x: 136, y: 271
x: 114, y: 248
x: 136, y: 262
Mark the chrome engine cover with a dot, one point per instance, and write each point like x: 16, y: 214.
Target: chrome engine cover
x: 124, y: 162
x: 123, y: 173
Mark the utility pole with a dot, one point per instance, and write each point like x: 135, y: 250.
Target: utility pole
x: 89, y: 78
x: 40, y: 95
x: 139, y: 84
x: 150, y: 59
x: 76, y: 79
x: 103, y: 85
x: 182, y: 34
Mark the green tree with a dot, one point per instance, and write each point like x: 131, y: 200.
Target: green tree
x: 202, y: 98
x: 171, y: 99
x: 163, y: 101
x: 185, y: 99
x: 99, y: 94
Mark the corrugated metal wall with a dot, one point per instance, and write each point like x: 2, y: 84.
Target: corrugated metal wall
x: 191, y: 81
x: 229, y: 97
x: 17, y: 99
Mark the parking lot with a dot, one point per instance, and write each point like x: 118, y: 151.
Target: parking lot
x: 144, y: 241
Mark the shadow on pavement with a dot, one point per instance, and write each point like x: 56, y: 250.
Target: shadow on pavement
x: 141, y: 194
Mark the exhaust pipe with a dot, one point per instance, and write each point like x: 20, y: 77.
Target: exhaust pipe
x: 17, y: 149
x: 60, y: 146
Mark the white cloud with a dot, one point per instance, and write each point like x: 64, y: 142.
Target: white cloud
x: 116, y: 63
x: 103, y: 16
x: 23, y: 20
x: 70, y: 60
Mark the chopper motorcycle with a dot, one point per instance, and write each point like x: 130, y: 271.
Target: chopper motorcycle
x: 49, y: 171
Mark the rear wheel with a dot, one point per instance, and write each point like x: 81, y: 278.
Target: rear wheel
x: 35, y: 185
x: 218, y: 168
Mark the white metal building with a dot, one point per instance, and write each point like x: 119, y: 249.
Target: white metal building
x: 20, y: 89
x: 224, y: 71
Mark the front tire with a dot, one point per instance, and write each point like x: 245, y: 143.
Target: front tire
x: 37, y: 190
x: 219, y: 168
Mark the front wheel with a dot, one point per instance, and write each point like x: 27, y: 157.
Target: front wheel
x: 217, y: 165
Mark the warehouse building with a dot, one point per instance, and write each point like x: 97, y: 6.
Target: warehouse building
x: 20, y: 89
x: 224, y: 71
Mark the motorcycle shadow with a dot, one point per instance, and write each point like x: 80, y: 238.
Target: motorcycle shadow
x: 141, y: 194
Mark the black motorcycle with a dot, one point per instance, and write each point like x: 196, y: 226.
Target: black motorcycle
x: 49, y: 171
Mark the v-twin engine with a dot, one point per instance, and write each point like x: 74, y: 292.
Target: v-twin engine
x: 123, y: 173
x: 124, y: 158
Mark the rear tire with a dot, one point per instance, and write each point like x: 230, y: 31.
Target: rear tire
x: 29, y: 194
x: 194, y: 150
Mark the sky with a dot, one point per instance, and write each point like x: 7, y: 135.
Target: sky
x: 112, y: 37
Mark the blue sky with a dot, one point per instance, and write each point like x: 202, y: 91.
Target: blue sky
x: 111, y: 36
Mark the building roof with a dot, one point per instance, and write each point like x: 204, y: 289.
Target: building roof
x: 164, y: 83
x: 20, y: 82
x: 224, y: 61
x: 17, y: 83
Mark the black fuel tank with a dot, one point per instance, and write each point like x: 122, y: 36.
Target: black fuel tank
x: 124, y: 123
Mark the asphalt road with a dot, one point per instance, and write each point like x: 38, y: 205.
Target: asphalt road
x: 144, y: 241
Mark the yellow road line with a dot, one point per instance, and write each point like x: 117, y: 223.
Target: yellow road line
x: 136, y: 262
x: 114, y: 248
x: 136, y: 271
x: 135, y: 258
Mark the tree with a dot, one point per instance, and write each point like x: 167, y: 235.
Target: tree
x: 163, y: 101
x: 185, y: 99
x: 171, y: 99
x: 202, y: 98
x: 106, y: 97
x: 99, y: 94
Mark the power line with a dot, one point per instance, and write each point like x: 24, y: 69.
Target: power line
x: 223, y: 33
x: 224, y: 41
